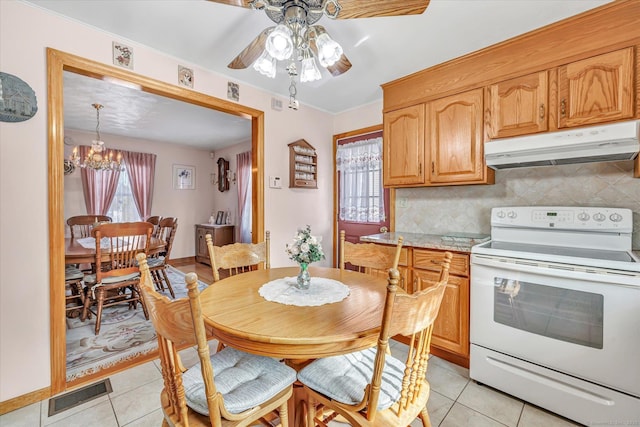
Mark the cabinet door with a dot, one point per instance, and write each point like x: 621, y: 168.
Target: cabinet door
x: 451, y: 328
x: 455, y: 138
x: 518, y: 106
x: 403, y: 138
x: 597, y: 89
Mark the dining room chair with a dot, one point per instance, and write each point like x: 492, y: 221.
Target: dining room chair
x: 166, y: 231
x: 238, y: 258
x: 155, y: 220
x: 116, y: 280
x: 369, y: 258
x: 74, y: 291
x: 81, y: 225
x: 371, y: 387
x: 229, y: 388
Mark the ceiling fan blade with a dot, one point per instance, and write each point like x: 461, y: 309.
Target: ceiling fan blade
x: 250, y: 53
x: 375, y: 8
x: 343, y: 65
x: 241, y: 3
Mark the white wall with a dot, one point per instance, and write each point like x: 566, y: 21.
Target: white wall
x: 25, y: 33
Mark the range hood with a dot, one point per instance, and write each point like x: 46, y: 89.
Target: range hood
x: 603, y: 143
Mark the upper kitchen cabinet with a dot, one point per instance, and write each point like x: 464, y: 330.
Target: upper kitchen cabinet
x: 455, y: 139
x: 597, y: 89
x: 517, y: 106
x: 404, y: 143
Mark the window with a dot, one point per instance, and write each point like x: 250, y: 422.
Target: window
x: 361, y: 191
x: 123, y: 207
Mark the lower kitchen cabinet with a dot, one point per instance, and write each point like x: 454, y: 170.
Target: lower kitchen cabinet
x: 221, y: 235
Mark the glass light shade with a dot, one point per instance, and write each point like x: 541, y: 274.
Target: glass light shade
x: 266, y: 65
x: 309, y: 70
x: 279, y: 43
x: 329, y: 51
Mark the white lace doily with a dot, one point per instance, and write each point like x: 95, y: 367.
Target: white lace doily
x: 321, y: 291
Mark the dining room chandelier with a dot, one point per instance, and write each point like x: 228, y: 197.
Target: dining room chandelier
x: 296, y: 40
x: 97, y: 157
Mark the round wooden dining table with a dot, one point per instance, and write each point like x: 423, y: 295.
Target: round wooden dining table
x: 241, y: 318
x: 75, y: 253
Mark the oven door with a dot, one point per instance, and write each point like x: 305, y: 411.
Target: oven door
x: 574, y: 322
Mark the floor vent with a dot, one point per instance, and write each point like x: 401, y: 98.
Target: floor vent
x: 78, y: 397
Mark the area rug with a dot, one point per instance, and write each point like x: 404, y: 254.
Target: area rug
x: 124, y: 335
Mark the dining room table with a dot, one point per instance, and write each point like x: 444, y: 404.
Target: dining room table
x: 263, y: 312
x: 83, y: 250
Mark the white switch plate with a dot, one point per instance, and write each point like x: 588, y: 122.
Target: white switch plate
x: 274, y: 182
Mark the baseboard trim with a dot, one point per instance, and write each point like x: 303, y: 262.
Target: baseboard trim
x: 182, y: 261
x: 24, y: 400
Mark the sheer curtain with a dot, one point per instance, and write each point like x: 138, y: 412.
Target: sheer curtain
x: 244, y: 195
x: 141, y: 168
x: 361, y: 190
x: 99, y: 187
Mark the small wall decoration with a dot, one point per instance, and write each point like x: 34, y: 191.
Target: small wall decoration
x: 185, y: 76
x: 122, y: 55
x: 17, y: 100
x: 184, y: 177
x: 233, y: 91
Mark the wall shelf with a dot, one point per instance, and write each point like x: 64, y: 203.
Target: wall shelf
x: 303, y: 165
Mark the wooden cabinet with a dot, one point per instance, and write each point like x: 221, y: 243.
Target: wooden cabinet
x: 517, y: 106
x: 303, y: 165
x: 456, y: 139
x: 451, y: 329
x: 597, y: 89
x: 221, y: 235
x: 404, y: 145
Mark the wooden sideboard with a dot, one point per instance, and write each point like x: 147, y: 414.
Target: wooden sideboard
x: 221, y: 234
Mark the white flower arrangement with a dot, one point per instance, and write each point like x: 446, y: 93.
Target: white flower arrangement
x: 305, y: 248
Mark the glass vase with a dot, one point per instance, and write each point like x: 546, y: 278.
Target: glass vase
x: 304, y: 280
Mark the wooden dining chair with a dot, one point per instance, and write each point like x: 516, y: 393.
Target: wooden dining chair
x: 116, y: 280
x: 155, y: 220
x: 369, y: 258
x: 166, y: 231
x: 74, y: 291
x: 229, y: 388
x: 238, y: 258
x: 371, y: 387
x: 81, y: 225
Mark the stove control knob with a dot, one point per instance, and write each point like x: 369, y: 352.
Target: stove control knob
x: 583, y: 216
x: 512, y: 214
x: 615, y: 217
x: 500, y: 214
x: 599, y: 217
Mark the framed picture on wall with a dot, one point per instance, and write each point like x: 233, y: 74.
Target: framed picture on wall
x: 184, y: 177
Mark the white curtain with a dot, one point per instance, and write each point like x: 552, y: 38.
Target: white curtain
x: 243, y: 174
x: 361, y: 193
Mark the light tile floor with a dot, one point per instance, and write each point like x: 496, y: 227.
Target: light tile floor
x: 455, y: 401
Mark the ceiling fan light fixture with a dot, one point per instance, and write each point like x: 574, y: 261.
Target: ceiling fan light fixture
x: 329, y: 51
x: 266, y: 65
x: 279, y: 43
x: 309, y: 71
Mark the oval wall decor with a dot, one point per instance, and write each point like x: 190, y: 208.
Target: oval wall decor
x: 17, y: 100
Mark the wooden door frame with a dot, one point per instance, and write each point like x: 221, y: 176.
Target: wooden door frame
x: 57, y: 63
x: 392, y: 191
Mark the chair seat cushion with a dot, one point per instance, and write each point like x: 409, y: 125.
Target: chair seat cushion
x: 155, y: 262
x: 91, y: 278
x: 72, y: 273
x: 344, y: 378
x: 244, y: 380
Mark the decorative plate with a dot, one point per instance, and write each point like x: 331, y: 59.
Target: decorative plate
x: 17, y: 100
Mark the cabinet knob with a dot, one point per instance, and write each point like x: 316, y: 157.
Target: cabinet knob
x: 541, y: 111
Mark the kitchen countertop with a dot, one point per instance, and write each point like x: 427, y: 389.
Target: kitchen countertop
x: 459, y: 242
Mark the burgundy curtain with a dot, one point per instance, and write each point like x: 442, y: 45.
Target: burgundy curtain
x: 141, y: 168
x: 244, y: 186
x: 99, y: 187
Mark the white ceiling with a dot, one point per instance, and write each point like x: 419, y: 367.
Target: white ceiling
x: 382, y: 49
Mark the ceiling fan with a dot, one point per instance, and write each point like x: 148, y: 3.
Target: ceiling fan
x: 297, y: 38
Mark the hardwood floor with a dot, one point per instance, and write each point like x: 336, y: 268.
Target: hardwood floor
x: 188, y: 265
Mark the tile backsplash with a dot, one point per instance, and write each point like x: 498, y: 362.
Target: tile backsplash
x: 441, y: 210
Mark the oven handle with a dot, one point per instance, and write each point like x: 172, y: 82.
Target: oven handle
x: 598, y: 275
